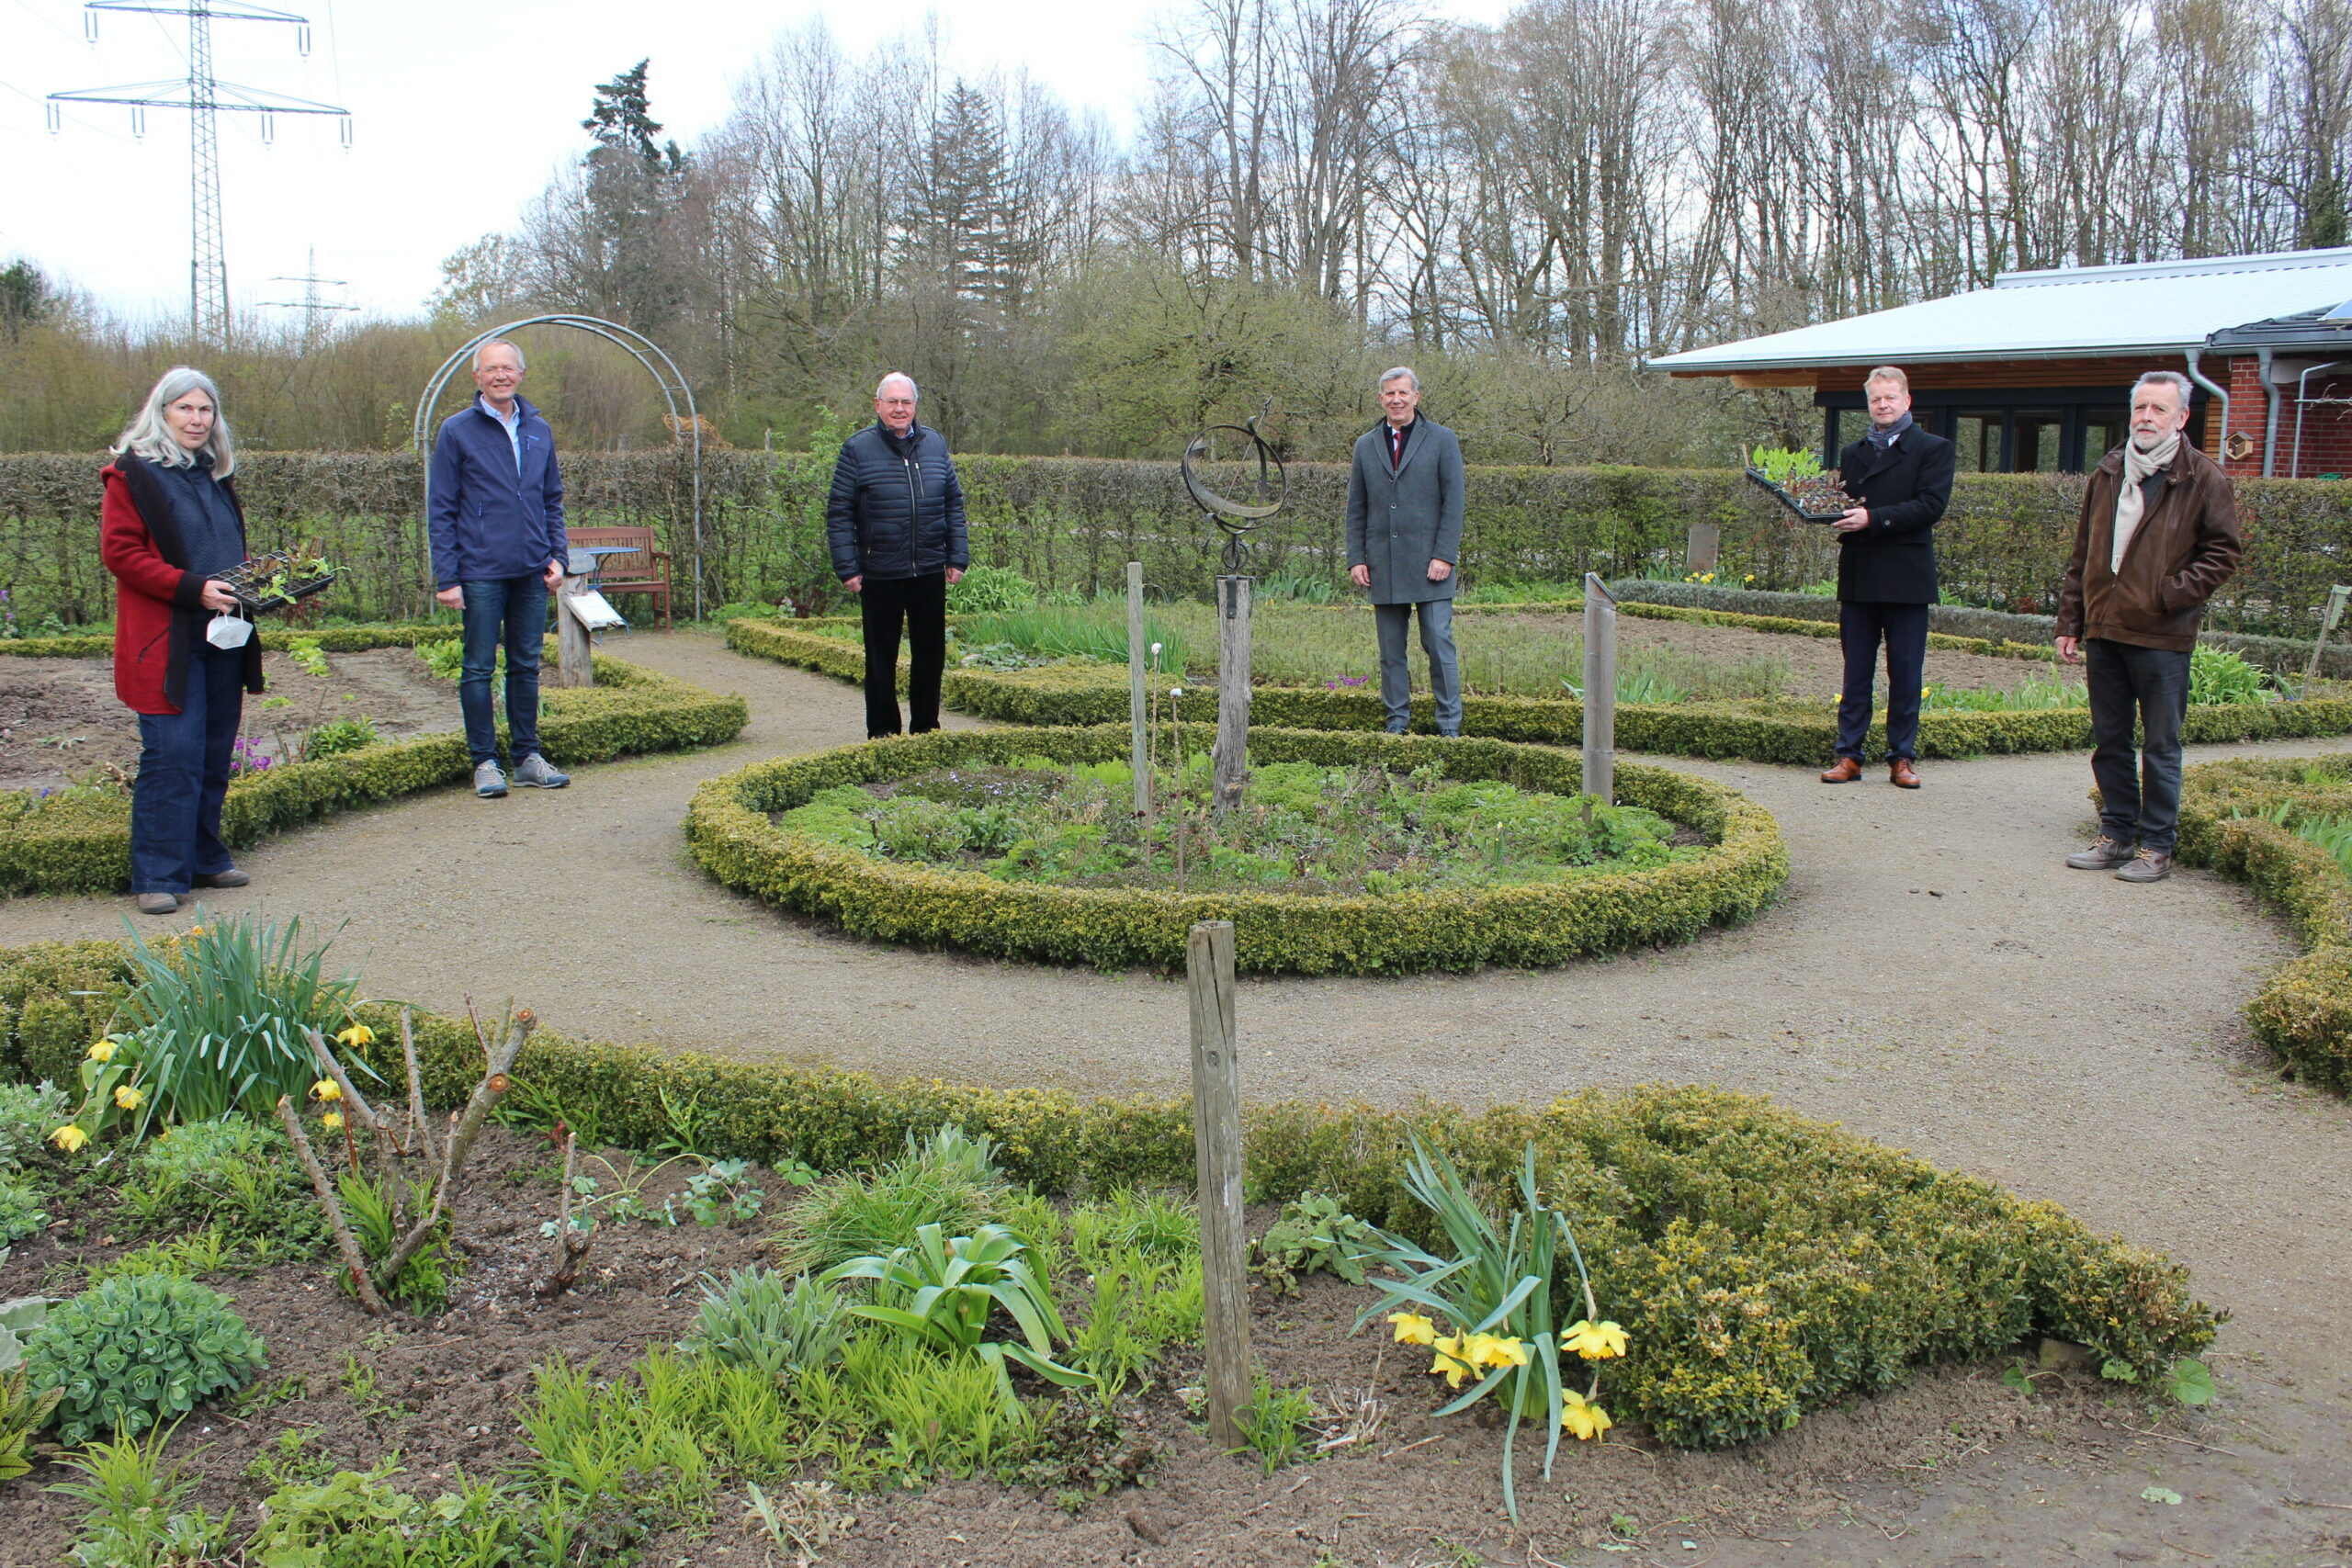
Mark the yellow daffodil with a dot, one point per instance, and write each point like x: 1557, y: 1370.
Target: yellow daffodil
x: 1412, y: 1328
x: 103, y: 1050
x: 358, y: 1034
x: 326, y: 1088
x: 69, y: 1137
x: 1585, y: 1419
x: 196, y: 930
x: 1496, y: 1350
x: 128, y: 1097
x: 1452, y: 1358
x: 1593, y: 1341
x: 332, y: 1121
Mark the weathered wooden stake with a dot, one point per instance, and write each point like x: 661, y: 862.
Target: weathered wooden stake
x: 1599, y: 690
x: 575, y: 658
x: 1232, y: 754
x: 2336, y: 598
x: 1216, y: 1145
x: 1139, y: 748
x: 1703, y: 548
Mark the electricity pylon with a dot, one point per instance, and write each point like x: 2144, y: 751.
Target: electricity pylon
x: 204, y: 97
x: 314, y: 306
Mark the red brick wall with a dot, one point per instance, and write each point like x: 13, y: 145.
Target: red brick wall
x: 2327, y: 428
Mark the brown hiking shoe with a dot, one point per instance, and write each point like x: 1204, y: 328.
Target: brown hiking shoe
x: 2148, y: 865
x: 1848, y: 770
x: 2104, y: 855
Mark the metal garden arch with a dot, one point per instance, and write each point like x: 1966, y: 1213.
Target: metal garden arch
x: 665, y: 370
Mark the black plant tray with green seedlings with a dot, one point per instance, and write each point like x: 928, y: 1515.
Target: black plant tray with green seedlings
x: 1301, y: 827
x: 279, y: 579
x: 1796, y: 480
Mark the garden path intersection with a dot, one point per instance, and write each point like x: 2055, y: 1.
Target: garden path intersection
x: 1931, y: 977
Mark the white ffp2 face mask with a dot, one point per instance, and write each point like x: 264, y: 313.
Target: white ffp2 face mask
x: 228, y: 631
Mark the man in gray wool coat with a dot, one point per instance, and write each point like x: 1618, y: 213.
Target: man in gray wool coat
x: 1404, y: 535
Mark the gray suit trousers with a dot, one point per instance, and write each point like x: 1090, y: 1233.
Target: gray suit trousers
x: 1396, y: 676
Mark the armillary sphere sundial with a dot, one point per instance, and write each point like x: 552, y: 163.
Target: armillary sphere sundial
x: 1270, y: 488
x: 1237, y: 517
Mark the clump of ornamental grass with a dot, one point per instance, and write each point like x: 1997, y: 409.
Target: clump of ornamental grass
x: 948, y: 1180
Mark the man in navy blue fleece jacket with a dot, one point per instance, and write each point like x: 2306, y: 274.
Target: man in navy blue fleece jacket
x: 497, y: 548
x: 895, y: 522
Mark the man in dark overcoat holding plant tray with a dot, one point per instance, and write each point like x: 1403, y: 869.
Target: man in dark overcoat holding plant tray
x: 1900, y: 479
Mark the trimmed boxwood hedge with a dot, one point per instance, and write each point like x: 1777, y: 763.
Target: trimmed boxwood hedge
x: 74, y: 843
x: 331, y: 639
x: 730, y: 830
x: 2304, y: 1011
x: 1765, y: 1263
x: 1800, y: 734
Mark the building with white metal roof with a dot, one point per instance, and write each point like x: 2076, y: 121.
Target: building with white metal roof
x: 2034, y: 372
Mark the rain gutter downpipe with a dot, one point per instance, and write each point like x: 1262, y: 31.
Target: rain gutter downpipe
x: 2302, y: 396
x: 2270, y: 425
x: 2222, y: 445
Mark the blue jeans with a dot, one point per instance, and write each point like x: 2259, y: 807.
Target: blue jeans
x: 1861, y: 624
x: 183, y: 772
x: 514, y: 610
x: 1391, y: 622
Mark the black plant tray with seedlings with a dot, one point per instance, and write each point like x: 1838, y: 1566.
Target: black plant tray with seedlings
x: 1797, y: 480
x: 279, y: 580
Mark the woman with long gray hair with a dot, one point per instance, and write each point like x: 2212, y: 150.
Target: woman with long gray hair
x: 184, y: 652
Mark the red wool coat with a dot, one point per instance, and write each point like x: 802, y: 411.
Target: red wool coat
x: 158, y: 606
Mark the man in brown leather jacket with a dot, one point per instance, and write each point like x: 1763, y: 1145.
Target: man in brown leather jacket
x: 2159, y: 535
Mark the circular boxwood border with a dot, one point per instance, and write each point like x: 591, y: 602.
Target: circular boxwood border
x: 730, y: 832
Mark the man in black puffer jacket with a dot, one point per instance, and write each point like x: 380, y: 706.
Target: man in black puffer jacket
x: 895, y: 521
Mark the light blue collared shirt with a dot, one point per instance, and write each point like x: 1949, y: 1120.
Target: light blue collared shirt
x: 514, y: 424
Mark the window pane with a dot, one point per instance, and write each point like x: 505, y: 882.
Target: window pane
x: 1977, y: 437
x: 2036, y: 441
x: 2103, y: 431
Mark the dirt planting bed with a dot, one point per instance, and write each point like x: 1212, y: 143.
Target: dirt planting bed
x: 61, y: 721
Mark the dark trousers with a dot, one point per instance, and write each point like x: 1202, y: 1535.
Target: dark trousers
x: 919, y: 605
x: 2138, y: 803
x: 1861, y: 623
x: 512, y: 610
x: 1392, y: 621
x: 183, y: 774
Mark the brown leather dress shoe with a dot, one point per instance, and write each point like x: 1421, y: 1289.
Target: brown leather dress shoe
x: 1901, y: 773
x: 1848, y: 770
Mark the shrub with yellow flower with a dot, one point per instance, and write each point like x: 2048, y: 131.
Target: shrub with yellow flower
x: 1485, y: 1313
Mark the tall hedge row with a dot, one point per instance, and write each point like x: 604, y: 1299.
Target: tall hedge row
x: 1074, y: 522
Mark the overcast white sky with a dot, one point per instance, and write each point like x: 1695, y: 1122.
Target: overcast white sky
x: 461, y: 110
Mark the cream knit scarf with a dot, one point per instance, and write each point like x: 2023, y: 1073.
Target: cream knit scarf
x: 2128, y: 498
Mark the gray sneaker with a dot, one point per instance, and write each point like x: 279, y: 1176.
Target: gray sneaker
x: 2104, y: 855
x: 2148, y: 865
x: 490, y: 783
x: 534, y: 773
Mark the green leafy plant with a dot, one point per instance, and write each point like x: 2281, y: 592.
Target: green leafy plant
x: 1783, y: 464
x: 134, y: 1351
x: 24, y: 1410
x: 946, y: 1179
x: 1276, y: 1423
x: 27, y: 1112
x: 376, y: 1213
x: 136, y: 1515
x: 234, y: 1176
x: 1314, y: 1233
x: 21, y: 1211
x: 18, y: 1318
x: 1494, y: 1294
x: 756, y: 1319
x: 721, y: 1193
x: 338, y: 735
x: 185, y: 1258
x: 990, y: 587
x: 941, y: 1290
x: 215, y: 1025
x: 2219, y: 675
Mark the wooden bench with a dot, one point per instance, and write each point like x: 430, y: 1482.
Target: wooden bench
x: 645, y: 569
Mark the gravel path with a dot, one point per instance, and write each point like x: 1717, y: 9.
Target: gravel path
x: 1932, y: 977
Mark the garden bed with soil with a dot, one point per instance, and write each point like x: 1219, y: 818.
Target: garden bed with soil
x: 59, y: 718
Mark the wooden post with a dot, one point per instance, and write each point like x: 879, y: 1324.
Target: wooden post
x: 2336, y: 598
x: 1599, y: 690
x: 1140, y: 747
x: 1232, y: 754
x: 575, y: 659
x: 1216, y: 1145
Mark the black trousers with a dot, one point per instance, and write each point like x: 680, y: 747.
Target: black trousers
x: 2139, y: 798
x: 1861, y: 622
x: 919, y: 605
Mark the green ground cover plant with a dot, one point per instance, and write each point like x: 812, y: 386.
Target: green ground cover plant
x: 137, y: 1350
x: 735, y: 834
x: 1300, y: 826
